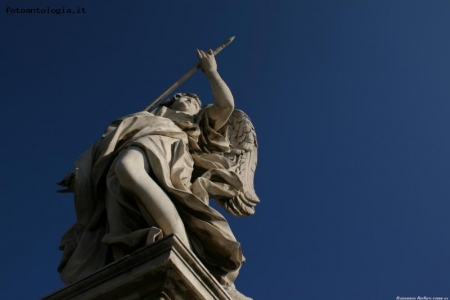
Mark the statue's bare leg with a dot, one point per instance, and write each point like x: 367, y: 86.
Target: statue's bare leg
x: 132, y: 171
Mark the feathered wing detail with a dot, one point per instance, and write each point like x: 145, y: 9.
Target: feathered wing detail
x: 244, y: 152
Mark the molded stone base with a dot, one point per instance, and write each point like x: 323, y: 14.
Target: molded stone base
x: 165, y: 269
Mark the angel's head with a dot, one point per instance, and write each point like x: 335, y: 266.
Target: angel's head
x: 185, y: 102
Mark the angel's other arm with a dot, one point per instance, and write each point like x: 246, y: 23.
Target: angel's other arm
x: 221, y: 110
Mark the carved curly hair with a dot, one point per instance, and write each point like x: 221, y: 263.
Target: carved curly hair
x: 169, y: 102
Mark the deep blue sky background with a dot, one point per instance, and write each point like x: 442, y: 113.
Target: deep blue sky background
x: 350, y: 100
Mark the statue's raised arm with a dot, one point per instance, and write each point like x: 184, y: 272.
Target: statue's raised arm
x: 153, y: 173
x: 221, y: 110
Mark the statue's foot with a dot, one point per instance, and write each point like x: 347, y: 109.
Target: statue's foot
x: 234, y: 293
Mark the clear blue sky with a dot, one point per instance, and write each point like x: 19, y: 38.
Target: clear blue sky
x: 350, y: 100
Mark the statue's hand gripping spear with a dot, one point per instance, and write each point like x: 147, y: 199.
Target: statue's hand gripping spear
x: 184, y: 77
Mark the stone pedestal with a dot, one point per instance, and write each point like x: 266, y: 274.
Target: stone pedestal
x: 165, y: 269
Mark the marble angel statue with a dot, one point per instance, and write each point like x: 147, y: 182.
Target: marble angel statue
x: 153, y: 173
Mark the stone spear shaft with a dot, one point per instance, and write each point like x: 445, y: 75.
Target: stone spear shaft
x: 184, y: 77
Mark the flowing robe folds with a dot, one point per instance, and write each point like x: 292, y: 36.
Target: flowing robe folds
x: 185, y: 160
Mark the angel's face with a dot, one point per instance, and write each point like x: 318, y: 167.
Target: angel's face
x: 185, y: 103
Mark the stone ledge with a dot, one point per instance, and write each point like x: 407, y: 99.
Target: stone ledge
x: 165, y: 269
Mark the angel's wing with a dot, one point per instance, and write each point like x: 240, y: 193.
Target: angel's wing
x: 244, y: 152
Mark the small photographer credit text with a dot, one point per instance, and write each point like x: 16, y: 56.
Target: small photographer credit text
x: 45, y: 10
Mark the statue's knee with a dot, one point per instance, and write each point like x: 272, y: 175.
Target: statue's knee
x: 127, y: 166
x: 122, y: 170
